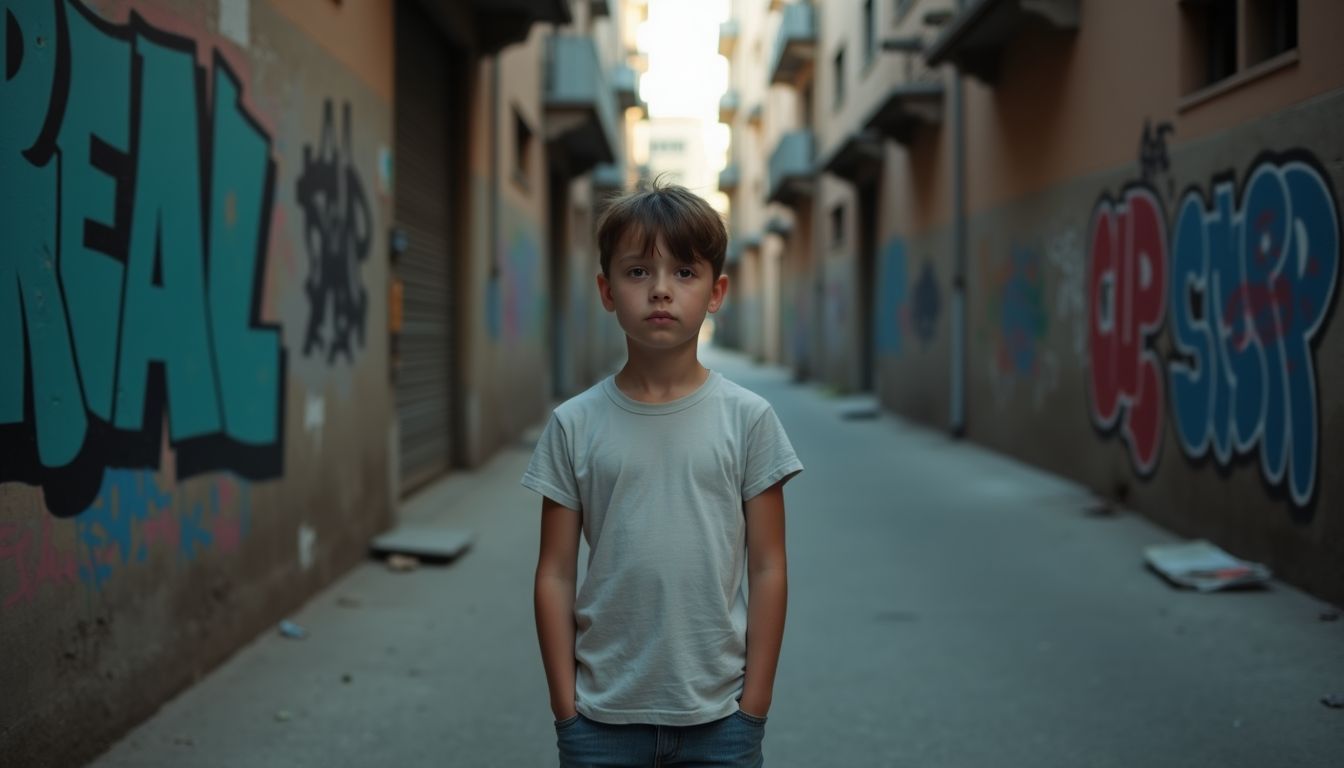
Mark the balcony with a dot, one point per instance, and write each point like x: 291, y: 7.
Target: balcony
x: 790, y: 172
x: 779, y: 226
x: 728, y: 106
x: 609, y: 178
x: 857, y: 158
x: 916, y: 100
x: 728, y: 34
x: 975, y: 38
x: 729, y: 178
x: 625, y: 83
x: 580, y: 106
x: 795, y: 44
x: 739, y: 245
x: 501, y: 23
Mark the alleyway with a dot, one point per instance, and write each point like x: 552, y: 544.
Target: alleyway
x: 948, y: 608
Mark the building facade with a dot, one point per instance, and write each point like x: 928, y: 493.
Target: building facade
x: 1120, y: 266
x: 269, y: 267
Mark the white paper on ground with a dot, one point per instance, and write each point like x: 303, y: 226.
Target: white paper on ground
x: 1201, y: 565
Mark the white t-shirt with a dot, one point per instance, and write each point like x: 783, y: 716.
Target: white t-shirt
x: 661, y: 616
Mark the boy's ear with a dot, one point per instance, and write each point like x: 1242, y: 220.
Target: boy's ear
x: 604, y: 291
x: 718, y: 293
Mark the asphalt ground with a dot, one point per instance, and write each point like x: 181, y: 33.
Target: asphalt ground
x: 948, y: 607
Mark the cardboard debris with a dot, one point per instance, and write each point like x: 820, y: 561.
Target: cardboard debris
x: 427, y: 543
x: 1201, y: 565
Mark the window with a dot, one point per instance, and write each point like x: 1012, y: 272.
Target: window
x: 667, y: 146
x: 903, y: 7
x: 838, y: 226
x: 522, y: 148
x: 1220, y: 40
x: 839, y: 78
x: 1271, y: 29
x: 1224, y: 38
x: 869, y: 33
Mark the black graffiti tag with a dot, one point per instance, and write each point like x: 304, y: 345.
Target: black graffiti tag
x: 337, y: 233
x: 1153, y: 158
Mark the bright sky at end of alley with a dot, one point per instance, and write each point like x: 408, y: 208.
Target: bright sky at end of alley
x: 686, y: 74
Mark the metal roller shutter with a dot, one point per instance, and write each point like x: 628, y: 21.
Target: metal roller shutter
x: 422, y: 176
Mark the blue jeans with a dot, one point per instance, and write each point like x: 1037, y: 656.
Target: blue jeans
x: 731, y: 742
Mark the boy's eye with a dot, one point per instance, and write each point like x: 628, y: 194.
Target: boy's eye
x: 637, y: 272
x: 685, y: 272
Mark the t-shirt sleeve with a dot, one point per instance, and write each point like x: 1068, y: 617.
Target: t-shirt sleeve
x: 770, y: 456
x: 551, y: 471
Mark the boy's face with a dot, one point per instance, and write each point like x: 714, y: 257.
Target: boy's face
x: 659, y: 301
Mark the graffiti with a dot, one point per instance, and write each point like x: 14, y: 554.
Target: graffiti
x: 835, y: 294
x: 1020, y: 312
x: 1153, y: 158
x: 131, y: 518
x: 337, y: 231
x: 513, y: 302
x: 892, y: 305
x: 924, y: 318
x: 1017, y: 308
x: 36, y: 560
x: 131, y: 278
x: 1251, y: 286
x: 1127, y: 295
x: 1065, y: 255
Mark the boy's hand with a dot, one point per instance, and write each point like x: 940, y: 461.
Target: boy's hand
x: 564, y: 713
x: 753, y: 708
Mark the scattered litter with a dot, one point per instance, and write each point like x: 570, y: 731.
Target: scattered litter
x: 346, y: 678
x: 184, y: 741
x: 1101, y: 508
x: 345, y: 601
x: 1329, y: 616
x: 283, y: 716
x: 1201, y: 565
x: 1333, y: 701
x: 427, y: 543
x: 293, y: 631
x: 402, y: 563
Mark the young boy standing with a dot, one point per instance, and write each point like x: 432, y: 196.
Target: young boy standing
x: 675, y: 477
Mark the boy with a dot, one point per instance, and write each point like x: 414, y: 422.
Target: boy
x: 675, y: 477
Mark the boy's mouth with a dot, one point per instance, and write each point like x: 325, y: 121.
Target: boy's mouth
x: 660, y: 317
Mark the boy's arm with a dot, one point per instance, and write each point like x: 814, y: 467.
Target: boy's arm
x: 768, y: 585
x: 553, y: 596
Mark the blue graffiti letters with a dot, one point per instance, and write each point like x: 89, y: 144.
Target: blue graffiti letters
x: 140, y: 307
x: 893, y: 304
x: 1251, y: 286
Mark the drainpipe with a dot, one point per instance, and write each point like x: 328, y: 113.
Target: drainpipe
x: 493, y: 237
x: 957, y: 415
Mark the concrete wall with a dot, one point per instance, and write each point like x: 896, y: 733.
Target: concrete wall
x: 505, y: 280
x: 1153, y: 274
x: 193, y: 340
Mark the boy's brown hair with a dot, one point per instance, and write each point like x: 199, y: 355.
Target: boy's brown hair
x: 691, y: 229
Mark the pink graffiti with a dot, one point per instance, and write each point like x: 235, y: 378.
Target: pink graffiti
x: 45, y: 565
x: 1127, y: 293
